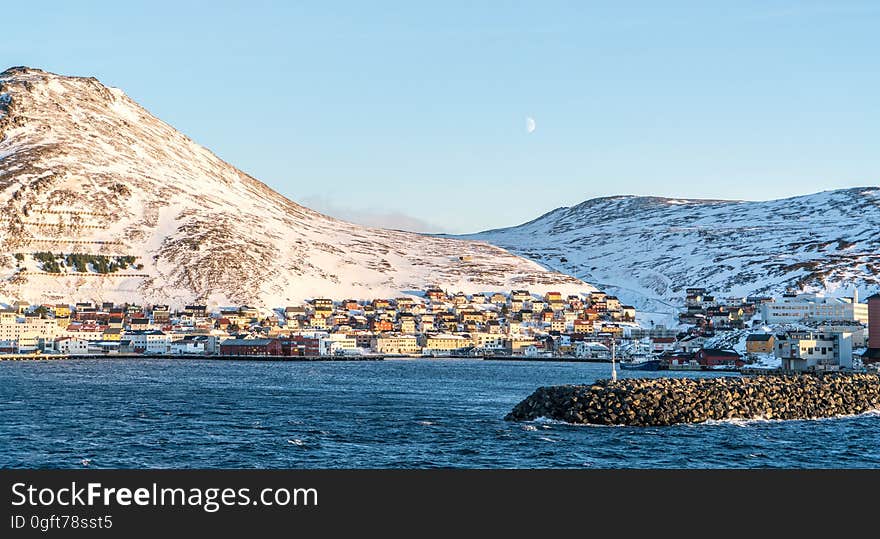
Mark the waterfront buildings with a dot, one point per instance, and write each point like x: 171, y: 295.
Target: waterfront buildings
x: 437, y: 323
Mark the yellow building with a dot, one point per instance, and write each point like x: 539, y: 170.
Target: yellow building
x: 612, y: 303
x: 397, y: 344
x: 407, y: 324
x: 760, y: 343
x: 472, y: 316
x: 8, y: 316
x: 113, y: 334
x: 488, y: 340
x: 318, y: 322
x: 517, y: 345
x: 445, y: 343
x: 553, y: 297
x: 498, y: 298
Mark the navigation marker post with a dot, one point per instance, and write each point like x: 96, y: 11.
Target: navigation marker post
x: 613, y: 369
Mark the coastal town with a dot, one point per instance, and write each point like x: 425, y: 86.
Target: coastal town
x: 795, y: 332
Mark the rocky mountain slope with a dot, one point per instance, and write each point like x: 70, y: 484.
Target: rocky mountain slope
x: 102, y: 201
x: 649, y: 249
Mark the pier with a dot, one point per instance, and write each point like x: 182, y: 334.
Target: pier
x: 669, y: 401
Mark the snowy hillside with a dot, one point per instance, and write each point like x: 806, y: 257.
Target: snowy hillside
x: 647, y: 250
x: 84, y: 170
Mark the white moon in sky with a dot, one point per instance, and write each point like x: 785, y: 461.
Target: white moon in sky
x: 530, y: 124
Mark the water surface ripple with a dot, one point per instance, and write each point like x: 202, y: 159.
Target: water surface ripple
x: 114, y: 413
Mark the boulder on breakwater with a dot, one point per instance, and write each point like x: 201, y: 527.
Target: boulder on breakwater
x: 668, y: 401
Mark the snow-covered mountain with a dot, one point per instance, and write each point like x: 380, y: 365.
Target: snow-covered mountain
x: 648, y: 249
x: 149, y: 215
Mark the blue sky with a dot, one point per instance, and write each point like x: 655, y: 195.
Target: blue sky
x: 412, y: 115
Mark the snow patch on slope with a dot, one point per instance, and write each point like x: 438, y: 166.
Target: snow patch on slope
x: 649, y: 249
x: 83, y: 168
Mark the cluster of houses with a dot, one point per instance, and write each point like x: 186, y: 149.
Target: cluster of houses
x: 436, y: 323
x: 101, y: 328
x: 802, y: 331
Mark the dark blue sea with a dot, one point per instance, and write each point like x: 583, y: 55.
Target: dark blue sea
x: 123, y: 413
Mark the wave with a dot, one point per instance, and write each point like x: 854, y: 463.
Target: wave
x: 743, y: 422
x: 545, y: 422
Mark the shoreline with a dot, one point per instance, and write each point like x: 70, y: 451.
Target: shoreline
x: 377, y: 357
x: 217, y: 357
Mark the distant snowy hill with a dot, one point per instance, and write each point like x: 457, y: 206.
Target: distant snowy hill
x: 649, y: 249
x: 150, y: 215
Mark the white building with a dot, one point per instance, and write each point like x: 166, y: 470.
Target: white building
x: 810, y: 350
x: 690, y: 343
x: 84, y: 332
x: 531, y: 351
x: 591, y: 350
x: 188, y: 346
x: 660, y: 345
x: 29, y: 333
x: 337, y: 344
x: 72, y: 346
x: 859, y: 332
x: 150, y: 342
x: 812, y: 307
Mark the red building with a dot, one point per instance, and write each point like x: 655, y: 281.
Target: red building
x: 872, y: 355
x: 92, y: 315
x: 874, y: 321
x: 250, y: 347
x: 381, y: 325
x: 299, y: 346
x: 714, y: 357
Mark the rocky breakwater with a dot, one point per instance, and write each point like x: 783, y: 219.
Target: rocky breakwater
x: 668, y: 401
